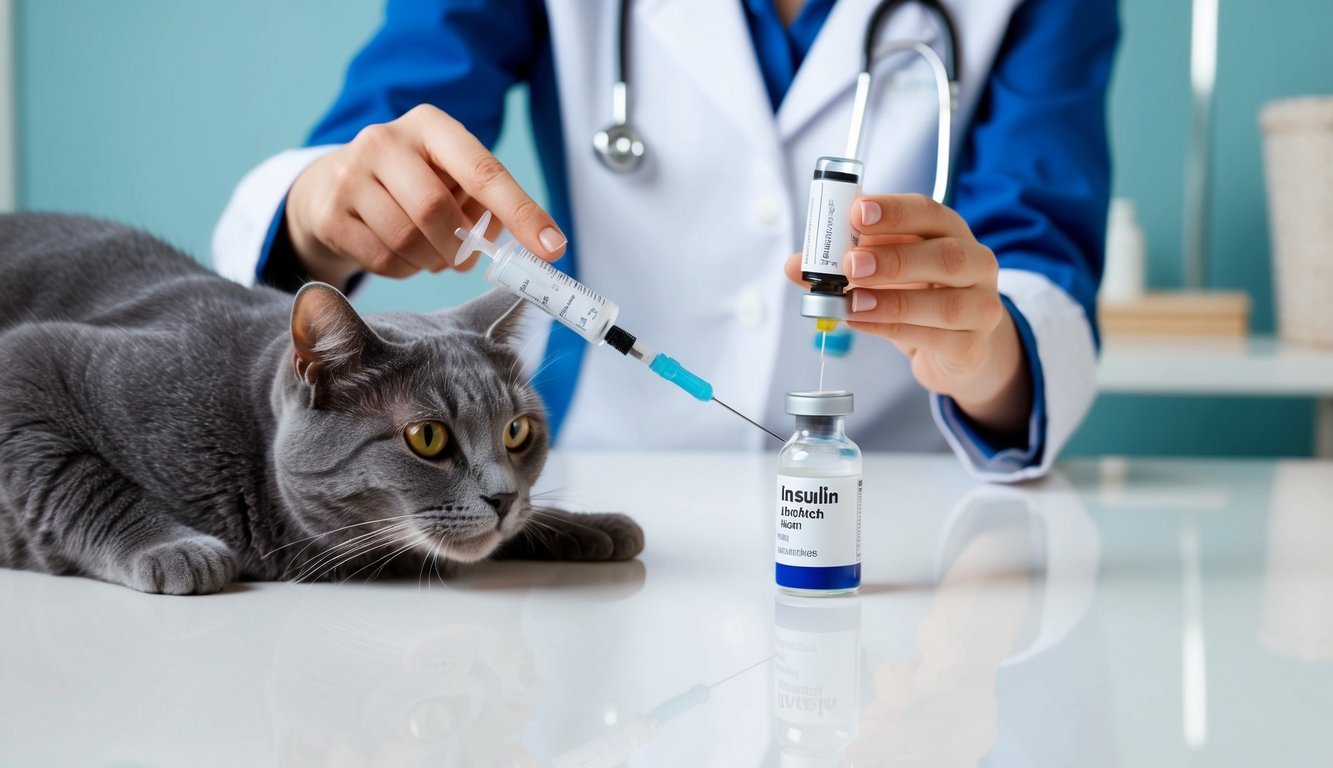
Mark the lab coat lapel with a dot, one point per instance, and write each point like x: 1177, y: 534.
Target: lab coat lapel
x: 830, y: 67
x: 710, y: 43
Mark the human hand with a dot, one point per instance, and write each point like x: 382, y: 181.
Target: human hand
x: 920, y: 278
x: 390, y: 200
x: 941, y: 709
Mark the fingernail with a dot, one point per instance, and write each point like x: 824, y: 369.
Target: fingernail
x: 551, y: 239
x: 870, y: 212
x: 863, y: 301
x: 860, y: 264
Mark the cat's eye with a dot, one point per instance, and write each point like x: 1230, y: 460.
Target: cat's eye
x: 427, y: 439
x: 518, y: 433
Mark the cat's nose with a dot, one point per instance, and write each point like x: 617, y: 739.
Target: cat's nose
x: 501, y: 502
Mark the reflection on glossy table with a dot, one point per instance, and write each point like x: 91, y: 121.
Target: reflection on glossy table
x: 1132, y: 613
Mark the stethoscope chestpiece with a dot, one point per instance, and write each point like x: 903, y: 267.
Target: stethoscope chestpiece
x: 619, y: 148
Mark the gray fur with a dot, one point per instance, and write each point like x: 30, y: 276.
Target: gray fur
x: 160, y: 427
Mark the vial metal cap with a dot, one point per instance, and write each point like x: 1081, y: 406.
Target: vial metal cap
x: 824, y: 305
x: 836, y: 403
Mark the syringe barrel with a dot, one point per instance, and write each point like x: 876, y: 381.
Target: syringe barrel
x: 573, y: 304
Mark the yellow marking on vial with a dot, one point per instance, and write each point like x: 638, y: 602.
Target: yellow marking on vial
x: 825, y: 324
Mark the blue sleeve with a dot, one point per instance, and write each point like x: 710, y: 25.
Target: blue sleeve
x: 1035, y: 176
x: 459, y: 55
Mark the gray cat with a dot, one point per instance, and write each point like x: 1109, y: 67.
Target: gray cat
x: 165, y: 429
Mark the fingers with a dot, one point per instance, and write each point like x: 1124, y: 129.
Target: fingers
x: 954, y: 345
x: 943, y: 260
x: 449, y: 146
x: 426, y: 201
x: 390, y: 200
x: 906, y: 215
x: 793, y: 270
x: 955, y: 309
x: 352, y: 236
x: 395, y: 229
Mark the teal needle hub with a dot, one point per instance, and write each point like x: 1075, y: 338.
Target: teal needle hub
x: 677, y: 374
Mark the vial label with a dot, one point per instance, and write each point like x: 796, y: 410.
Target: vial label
x: 572, y: 303
x: 828, y: 226
x: 818, y: 521
x: 815, y: 676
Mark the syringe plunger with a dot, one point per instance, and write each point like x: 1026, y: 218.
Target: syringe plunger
x: 475, y: 240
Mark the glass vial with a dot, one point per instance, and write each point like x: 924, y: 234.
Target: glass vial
x: 829, y: 235
x: 818, y: 520
x: 816, y: 679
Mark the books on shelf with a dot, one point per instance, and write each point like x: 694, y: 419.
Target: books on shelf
x: 1186, y: 313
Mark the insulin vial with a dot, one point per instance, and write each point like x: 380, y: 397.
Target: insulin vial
x: 819, y: 499
x: 829, y: 235
x: 816, y: 679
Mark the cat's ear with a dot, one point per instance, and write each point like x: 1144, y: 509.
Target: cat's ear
x: 330, y: 339
x: 495, y: 314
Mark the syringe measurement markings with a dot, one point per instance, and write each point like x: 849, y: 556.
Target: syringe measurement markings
x: 570, y: 282
x: 564, y: 311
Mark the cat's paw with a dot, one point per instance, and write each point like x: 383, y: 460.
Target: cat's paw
x: 558, y: 535
x: 197, y: 565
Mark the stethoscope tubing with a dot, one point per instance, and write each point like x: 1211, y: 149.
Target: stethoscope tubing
x: 621, y: 149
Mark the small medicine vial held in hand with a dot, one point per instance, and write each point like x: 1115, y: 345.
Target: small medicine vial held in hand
x: 818, y: 529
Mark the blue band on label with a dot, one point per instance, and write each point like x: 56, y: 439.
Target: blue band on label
x: 834, y: 577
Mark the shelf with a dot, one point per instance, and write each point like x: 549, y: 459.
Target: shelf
x: 1256, y: 366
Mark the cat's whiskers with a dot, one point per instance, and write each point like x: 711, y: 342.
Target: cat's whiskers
x: 390, y: 557
x: 432, y: 558
x: 329, y: 568
x: 549, y: 491
x: 265, y: 556
x: 564, y: 519
x: 545, y: 364
x: 379, y: 641
x: 435, y: 566
x: 550, y: 496
x: 539, y: 530
x: 340, y: 554
x: 421, y: 541
x: 536, y: 532
x: 422, y: 573
x: 514, y: 368
x: 337, y: 549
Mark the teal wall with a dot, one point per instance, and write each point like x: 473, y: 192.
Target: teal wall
x: 149, y: 111
x: 1267, y: 49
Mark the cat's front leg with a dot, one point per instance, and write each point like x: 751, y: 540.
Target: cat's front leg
x: 193, y: 564
x: 552, y: 534
x: 81, y: 516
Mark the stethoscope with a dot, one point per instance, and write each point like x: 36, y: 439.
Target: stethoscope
x: 621, y: 148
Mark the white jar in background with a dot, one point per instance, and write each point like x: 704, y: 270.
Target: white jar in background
x: 1298, y: 167
x: 1126, y: 254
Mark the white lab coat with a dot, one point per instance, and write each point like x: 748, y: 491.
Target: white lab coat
x: 691, y: 245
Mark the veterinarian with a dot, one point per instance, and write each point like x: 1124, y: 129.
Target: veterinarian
x: 975, y: 321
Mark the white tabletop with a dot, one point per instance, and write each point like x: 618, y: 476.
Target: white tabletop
x: 1122, y: 613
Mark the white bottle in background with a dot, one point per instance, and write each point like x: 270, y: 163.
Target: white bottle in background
x: 1126, y: 254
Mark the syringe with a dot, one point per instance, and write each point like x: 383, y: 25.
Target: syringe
x: 577, y: 307
x: 614, y: 747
